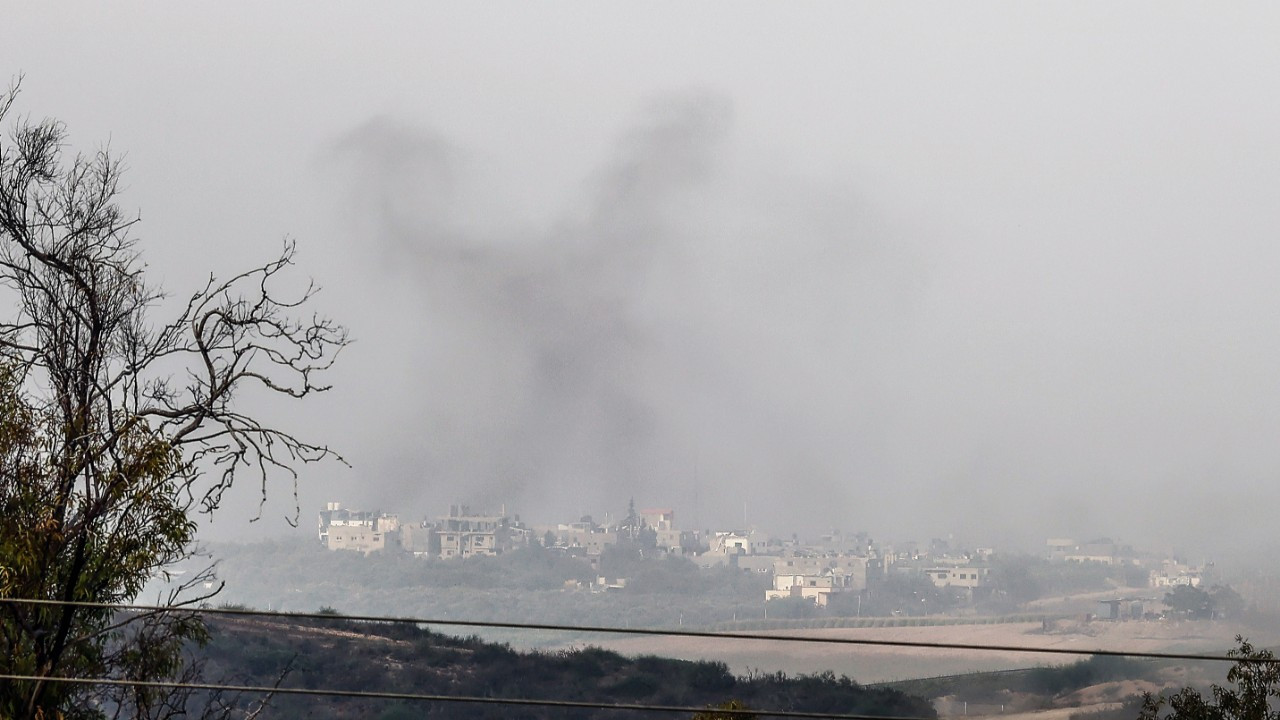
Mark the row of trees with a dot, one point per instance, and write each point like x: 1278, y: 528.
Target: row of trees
x: 116, y: 426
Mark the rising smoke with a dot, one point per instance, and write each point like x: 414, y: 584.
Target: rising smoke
x: 693, y: 327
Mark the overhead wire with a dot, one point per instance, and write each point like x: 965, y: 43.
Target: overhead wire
x: 666, y: 632
x: 474, y: 699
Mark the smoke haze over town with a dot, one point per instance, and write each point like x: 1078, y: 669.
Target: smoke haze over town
x: 1004, y: 271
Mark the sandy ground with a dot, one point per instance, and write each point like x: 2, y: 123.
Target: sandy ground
x: 1054, y: 714
x: 879, y: 664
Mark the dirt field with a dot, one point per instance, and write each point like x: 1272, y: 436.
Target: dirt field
x: 1054, y: 714
x: 879, y: 664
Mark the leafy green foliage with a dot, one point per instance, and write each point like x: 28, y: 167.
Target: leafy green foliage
x: 909, y: 595
x: 1039, y: 577
x: 63, y: 547
x: 1015, y: 582
x: 714, y: 713
x: 1227, y: 602
x: 1069, y: 678
x: 791, y: 608
x: 1189, y: 601
x: 1256, y: 681
x: 103, y: 454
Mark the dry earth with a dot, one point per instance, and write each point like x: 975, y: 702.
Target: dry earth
x: 878, y: 664
x: 1052, y: 714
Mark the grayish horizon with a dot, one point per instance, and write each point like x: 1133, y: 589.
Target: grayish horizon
x: 1003, y: 271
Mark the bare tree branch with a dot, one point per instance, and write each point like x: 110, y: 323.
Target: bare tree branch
x: 114, y: 429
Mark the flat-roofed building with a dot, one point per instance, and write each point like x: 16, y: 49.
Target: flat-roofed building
x: 818, y: 587
x: 463, y: 535
x: 965, y: 577
x: 363, y: 530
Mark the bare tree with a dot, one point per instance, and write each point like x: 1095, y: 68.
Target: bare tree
x: 114, y: 429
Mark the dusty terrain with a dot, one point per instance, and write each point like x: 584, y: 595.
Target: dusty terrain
x: 1051, y: 714
x: 879, y: 664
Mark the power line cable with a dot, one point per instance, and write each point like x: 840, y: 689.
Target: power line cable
x: 954, y: 676
x: 420, y: 697
x: 497, y: 624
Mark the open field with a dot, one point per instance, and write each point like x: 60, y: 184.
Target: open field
x: 1052, y: 713
x: 880, y: 664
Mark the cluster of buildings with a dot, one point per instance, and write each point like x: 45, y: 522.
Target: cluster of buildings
x: 463, y: 533
x: 1161, y: 571
x: 820, y: 571
x: 837, y: 563
x: 459, y: 534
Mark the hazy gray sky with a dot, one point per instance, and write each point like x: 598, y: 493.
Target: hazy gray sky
x: 1005, y: 270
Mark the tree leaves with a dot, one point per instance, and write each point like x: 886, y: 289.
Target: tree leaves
x: 115, y: 428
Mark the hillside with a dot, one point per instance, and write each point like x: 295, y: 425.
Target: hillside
x: 401, y: 658
x: 880, y: 664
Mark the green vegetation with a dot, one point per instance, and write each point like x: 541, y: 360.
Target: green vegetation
x: 717, y: 712
x: 1019, y: 579
x: 899, y: 595
x: 529, y: 584
x: 337, y: 653
x: 1040, y: 681
x: 1256, y: 684
x: 1187, y: 601
x: 546, y: 585
x: 117, y: 426
x: 1198, y: 604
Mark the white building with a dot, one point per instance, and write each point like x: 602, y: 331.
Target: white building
x: 816, y: 587
x: 965, y: 577
x: 362, y: 530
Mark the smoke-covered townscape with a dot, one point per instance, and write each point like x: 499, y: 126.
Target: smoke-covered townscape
x: 943, y: 336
